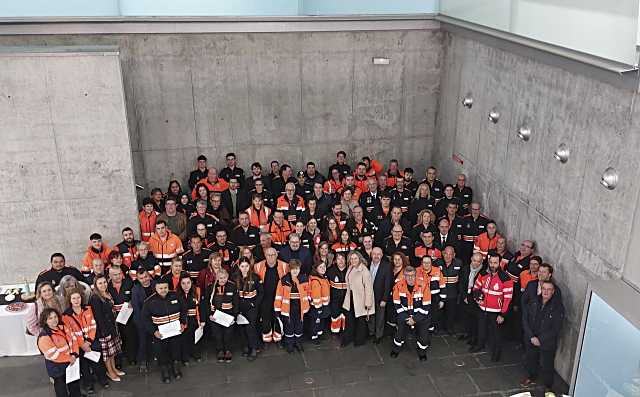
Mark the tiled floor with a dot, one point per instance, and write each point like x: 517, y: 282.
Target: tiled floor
x: 325, y: 370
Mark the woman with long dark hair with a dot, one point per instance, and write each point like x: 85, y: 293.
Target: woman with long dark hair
x: 60, y: 348
x: 101, y: 303
x: 174, y: 189
x: 189, y: 298
x: 250, y: 293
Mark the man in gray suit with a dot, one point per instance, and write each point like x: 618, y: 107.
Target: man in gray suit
x: 382, y: 279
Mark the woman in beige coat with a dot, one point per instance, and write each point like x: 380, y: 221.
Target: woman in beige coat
x: 358, y: 302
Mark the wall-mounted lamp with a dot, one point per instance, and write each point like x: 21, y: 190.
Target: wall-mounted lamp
x: 609, y: 178
x: 467, y: 101
x: 494, y: 116
x: 524, y: 133
x: 562, y: 153
x: 381, y: 61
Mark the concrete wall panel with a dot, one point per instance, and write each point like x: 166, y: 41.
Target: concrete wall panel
x: 581, y: 228
x: 68, y: 159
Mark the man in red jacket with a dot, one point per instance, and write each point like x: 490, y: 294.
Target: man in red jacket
x: 493, y: 291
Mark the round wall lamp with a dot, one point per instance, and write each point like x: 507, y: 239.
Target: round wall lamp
x: 494, y: 116
x: 524, y: 133
x: 562, y: 153
x: 609, y: 178
x: 467, y: 101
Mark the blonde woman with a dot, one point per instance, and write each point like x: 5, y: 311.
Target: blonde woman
x: 359, y: 300
x: 45, y: 298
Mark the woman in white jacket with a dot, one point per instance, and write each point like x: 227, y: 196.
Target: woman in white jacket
x: 359, y: 301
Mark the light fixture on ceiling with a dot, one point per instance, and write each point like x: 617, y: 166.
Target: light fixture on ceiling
x: 562, y: 153
x: 494, y: 116
x: 524, y: 133
x: 609, y: 178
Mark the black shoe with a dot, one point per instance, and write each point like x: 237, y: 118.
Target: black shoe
x: 475, y: 349
x: 252, y: 355
x: 185, y: 363
x: 495, y: 357
x: 105, y: 384
x: 220, y: 356
x: 245, y: 352
x: 316, y: 341
x: 423, y: 358
x: 299, y: 347
x: 197, y: 357
x: 394, y: 354
x: 463, y: 337
x: 164, y: 373
x: 376, y: 341
x: 472, y: 342
x: 175, y: 371
x: 289, y: 349
x: 91, y: 390
x: 228, y: 357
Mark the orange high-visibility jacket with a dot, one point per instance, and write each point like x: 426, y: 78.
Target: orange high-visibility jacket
x: 90, y: 255
x: 82, y: 325
x: 483, y: 244
x: 282, y: 303
x: 166, y: 250
x: 147, y: 224
x: 58, y: 345
x: 259, y: 218
x: 220, y: 186
x: 279, y: 234
x: 260, y: 268
x: 320, y: 290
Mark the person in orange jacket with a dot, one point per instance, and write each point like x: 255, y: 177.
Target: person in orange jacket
x: 319, y: 294
x: 79, y: 318
x: 487, y: 241
x: 212, y: 182
x: 373, y: 166
x: 96, y: 249
x: 60, y: 348
x: 412, y: 302
x: 165, y: 245
x: 291, y: 204
x: 147, y: 218
x: 292, y: 303
x: 279, y: 229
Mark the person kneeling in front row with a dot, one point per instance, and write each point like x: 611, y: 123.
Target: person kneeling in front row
x: 412, y: 301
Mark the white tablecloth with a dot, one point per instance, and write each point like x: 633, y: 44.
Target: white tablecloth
x: 13, y: 339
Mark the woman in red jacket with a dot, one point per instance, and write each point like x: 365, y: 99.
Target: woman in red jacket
x: 60, y: 348
x: 79, y: 318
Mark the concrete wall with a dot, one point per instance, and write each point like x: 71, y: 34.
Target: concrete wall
x: 581, y: 228
x: 287, y: 96
x: 65, y: 159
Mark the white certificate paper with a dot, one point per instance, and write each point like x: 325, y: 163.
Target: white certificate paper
x: 169, y: 329
x: 124, y: 313
x: 198, y: 334
x: 73, y: 371
x: 222, y: 318
x: 93, y: 356
x: 242, y: 320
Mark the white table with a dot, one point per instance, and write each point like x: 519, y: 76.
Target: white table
x: 13, y: 340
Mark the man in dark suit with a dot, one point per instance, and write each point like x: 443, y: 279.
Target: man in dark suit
x: 382, y: 279
x: 445, y: 236
x: 233, y: 199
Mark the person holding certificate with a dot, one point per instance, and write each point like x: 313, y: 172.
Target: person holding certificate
x: 60, y: 348
x: 221, y: 306
x: 189, y: 298
x: 165, y: 319
x: 79, y: 318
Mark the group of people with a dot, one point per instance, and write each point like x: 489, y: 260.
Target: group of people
x: 276, y: 259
